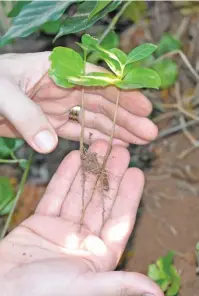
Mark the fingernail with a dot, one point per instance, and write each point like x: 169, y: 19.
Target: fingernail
x: 148, y: 294
x: 45, y: 141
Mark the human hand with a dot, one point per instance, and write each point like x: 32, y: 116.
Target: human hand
x: 51, y: 254
x: 32, y: 106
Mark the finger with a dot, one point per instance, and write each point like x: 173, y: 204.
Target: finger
x: 120, y: 283
x: 120, y: 224
x: 139, y: 126
x: 26, y: 117
x: 57, y: 190
x: 103, y: 124
x: 133, y: 101
x: 72, y: 130
x: 76, y: 200
x: 102, y: 201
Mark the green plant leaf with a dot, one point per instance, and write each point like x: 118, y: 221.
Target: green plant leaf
x: 65, y: 62
x: 6, y: 195
x: 135, y: 11
x: 90, y: 42
x: 110, y: 41
x: 197, y: 247
x: 23, y: 164
x: 141, y: 52
x: 167, y: 43
x: 51, y: 27
x: 33, y: 16
x: 94, y: 79
x: 175, y: 286
x: 10, y: 142
x: 18, y: 6
x: 165, y: 274
x: 62, y: 82
x: 154, y: 272
x: 7, y: 145
x: 99, y: 6
x: 109, y: 57
x: 163, y: 284
x: 80, y: 20
x: 122, y: 57
x: 168, y: 72
x: 140, y: 78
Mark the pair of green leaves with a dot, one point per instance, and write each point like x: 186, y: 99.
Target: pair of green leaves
x: 68, y: 67
x: 47, y: 15
x: 164, y: 273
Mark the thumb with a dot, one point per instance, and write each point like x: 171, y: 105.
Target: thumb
x: 27, y: 117
x: 120, y: 283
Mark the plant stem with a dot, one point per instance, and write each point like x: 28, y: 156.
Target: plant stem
x: 11, y: 161
x: 105, y: 158
x: 113, y: 131
x: 114, y: 21
x: 82, y: 149
x: 18, y: 194
x: 82, y: 125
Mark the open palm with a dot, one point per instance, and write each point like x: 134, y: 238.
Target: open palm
x: 50, y: 253
x: 30, y: 102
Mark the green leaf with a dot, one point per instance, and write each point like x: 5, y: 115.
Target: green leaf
x: 90, y: 42
x: 107, y: 55
x: 65, y: 62
x: 168, y: 72
x: 141, y: 52
x: 153, y: 272
x: 167, y: 43
x: 94, y: 79
x: 99, y: 6
x: 10, y: 142
x: 122, y: 57
x: 23, y: 164
x: 163, y: 284
x: 6, y: 195
x: 51, y: 27
x: 175, y: 286
x: 33, y: 16
x: 197, y: 247
x: 62, y: 82
x: 165, y: 274
x: 135, y: 11
x: 18, y: 6
x: 80, y: 20
x: 110, y: 41
x: 7, y: 145
x: 140, y: 78
x: 113, y: 64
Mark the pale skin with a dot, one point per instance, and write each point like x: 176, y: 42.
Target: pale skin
x: 48, y: 254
